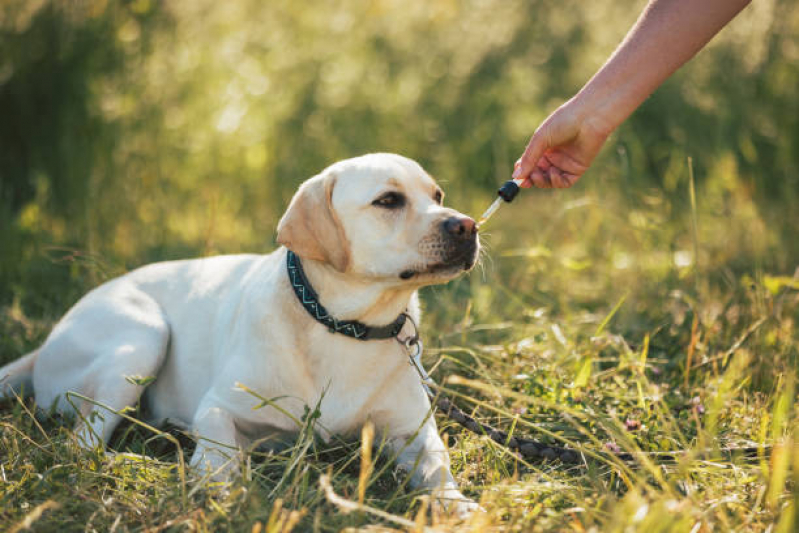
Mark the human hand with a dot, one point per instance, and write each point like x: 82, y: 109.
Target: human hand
x: 562, y: 148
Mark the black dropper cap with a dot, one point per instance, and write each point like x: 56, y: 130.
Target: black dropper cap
x: 508, y: 191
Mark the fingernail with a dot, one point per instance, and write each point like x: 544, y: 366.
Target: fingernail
x: 517, y: 172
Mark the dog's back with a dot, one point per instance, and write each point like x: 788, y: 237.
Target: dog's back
x: 17, y: 376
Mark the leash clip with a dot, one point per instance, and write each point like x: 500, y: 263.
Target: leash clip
x: 412, y: 342
x: 413, y: 345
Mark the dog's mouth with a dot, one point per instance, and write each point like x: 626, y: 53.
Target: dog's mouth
x: 459, y: 260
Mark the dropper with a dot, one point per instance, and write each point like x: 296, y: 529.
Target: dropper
x: 507, y: 192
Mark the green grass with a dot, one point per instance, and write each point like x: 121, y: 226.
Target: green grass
x: 577, y: 328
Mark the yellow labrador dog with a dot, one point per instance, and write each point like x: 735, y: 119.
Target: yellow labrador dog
x: 317, y: 319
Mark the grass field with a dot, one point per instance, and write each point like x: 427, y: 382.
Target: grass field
x: 609, y: 339
x: 653, y: 307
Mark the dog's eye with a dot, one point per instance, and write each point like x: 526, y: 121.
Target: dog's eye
x: 438, y: 196
x: 390, y: 200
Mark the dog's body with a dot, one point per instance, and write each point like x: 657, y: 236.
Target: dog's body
x: 204, y: 328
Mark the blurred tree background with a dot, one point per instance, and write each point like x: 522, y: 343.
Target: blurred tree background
x: 135, y: 131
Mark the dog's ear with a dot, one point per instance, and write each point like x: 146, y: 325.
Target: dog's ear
x: 310, y: 227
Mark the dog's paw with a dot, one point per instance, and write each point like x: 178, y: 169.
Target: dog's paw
x: 214, y: 468
x: 454, y: 503
x: 466, y: 508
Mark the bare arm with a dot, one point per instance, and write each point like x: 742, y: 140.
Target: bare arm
x: 667, y: 34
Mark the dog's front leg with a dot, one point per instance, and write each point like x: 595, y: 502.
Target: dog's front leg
x: 217, y: 450
x: 427, y: 460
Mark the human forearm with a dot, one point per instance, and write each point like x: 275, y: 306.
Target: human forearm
x: 667, y: 34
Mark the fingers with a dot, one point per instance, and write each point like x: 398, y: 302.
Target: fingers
x: 527, y: 183
x: 540, y: 178
x: 558, y: 179
x: 545, y: 175
x: 544, y: 170
x: 552, y: 178
x: 535, y: 149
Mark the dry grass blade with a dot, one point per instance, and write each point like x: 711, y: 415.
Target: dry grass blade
x: 348, y: 506
x: 28, y: 522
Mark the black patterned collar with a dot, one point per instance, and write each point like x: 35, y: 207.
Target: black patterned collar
x: 351, y: 328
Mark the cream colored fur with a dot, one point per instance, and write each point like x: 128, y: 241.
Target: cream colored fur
x: 202, y: 327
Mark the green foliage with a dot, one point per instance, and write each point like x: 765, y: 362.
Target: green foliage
x: 139, y: 131
x: 142, y: 130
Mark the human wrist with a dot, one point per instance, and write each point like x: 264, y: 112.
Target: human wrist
x: 594, y: 112
x: 614, y: 92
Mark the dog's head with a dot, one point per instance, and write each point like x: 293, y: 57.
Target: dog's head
x: 380, y: 216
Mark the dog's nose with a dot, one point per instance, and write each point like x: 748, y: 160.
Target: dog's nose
x: 460, y: 227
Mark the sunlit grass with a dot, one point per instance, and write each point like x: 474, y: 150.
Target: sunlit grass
x: 582, y: 340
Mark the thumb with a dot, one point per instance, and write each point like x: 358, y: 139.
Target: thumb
x: 535, y: 149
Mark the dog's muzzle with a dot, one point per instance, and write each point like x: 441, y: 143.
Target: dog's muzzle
x: 450, y: 248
